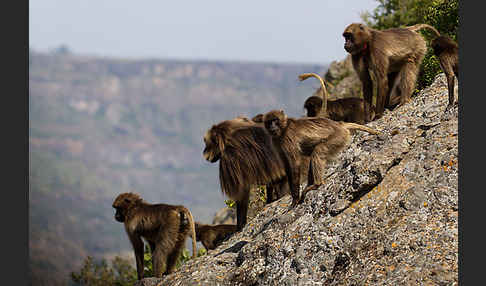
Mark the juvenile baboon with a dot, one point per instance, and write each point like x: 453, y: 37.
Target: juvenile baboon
x: 448, y: 53
x: 163, y: 226
x: 319, y: 138
x: 344, y: 109
x: 246, y: 157
x: 212, y: 235
x: 393, y: 56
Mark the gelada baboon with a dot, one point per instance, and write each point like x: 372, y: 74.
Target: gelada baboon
x: 246, y: 157
x: 393, y: 56
x: 163, y: 226
x: 275, y: 190
x: 447, y: 51
x: 343, y: 109
x: 319, y: 138
x: 211, y: 236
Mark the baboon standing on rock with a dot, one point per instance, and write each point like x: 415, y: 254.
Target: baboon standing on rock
x: 164, y: 226
x: 212, y: 235
x: 448, y: 53
x: 344, y: 109
x: 274, y: 190
x: 392, y: 55
x: 319, y: 138
x: 246, y: 157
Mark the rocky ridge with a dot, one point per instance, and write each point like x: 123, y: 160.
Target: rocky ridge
x: 387, y: 214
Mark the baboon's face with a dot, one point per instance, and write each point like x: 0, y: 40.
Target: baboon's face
x: 211, y: 151
x: 122, y: 203
x: 214, y: 139
x: 275, y: 122
x: 355, y: 37
x: 119, y: 215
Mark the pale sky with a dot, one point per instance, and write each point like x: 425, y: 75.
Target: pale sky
x: 250, y: 30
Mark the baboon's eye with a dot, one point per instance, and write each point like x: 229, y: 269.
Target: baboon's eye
x: 127, y: 201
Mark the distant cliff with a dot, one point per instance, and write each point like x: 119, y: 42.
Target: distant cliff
x: 101, y: 126
x: 387, y: 214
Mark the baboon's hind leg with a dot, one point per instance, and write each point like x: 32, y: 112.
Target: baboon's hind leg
x: 174, y: 255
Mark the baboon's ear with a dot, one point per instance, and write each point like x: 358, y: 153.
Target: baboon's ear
x: 361, y: 27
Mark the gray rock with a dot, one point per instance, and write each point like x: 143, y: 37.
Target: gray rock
x: 345, y: 80
x: 225, y: 216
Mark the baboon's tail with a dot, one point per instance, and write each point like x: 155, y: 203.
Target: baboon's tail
x: 193, y: 233
x: 417, y: 27
x: 354, y: 126
x: 305, y: 76
x: 325, y: 95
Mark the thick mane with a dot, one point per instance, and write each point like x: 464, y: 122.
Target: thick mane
x: 249, y: 158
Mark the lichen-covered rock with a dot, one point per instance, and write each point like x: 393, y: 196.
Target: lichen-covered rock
x: 225, y: 215
x: 345, y: 80
x: 386, y: 215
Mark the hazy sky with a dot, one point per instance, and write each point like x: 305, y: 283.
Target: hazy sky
x: 279, y: 31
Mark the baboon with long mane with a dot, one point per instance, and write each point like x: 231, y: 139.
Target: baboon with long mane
x: 343, y: 109
x: 393, y: 56
x: 274, y: 190
x: 319, y: 138
x: 211, y: 236
x: 165, y: 227
x: 246, y: 157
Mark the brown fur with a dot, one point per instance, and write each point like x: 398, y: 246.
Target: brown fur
x: 344, y: 109
x: 275, y: 190
x: 246, y: 157
x: 448, y: 53
x: 258, y: 118
x: 319, y: 138
x: 161, y: 225
x: 393, y: 56
x: 211, y: 236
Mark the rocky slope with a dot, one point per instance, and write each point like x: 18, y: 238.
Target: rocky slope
x: 387, y: 214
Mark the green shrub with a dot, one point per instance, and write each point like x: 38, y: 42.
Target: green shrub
x: 442, y: 14
x: 121, y: 273
x: 230, y: 203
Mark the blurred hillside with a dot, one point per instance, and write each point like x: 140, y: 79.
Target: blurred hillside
x: 101, y: 126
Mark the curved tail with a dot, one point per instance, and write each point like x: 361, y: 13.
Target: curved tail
x: 417, y: 27
x: 193, y: 232
x: 325, y: 95
x: 354, y: 126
